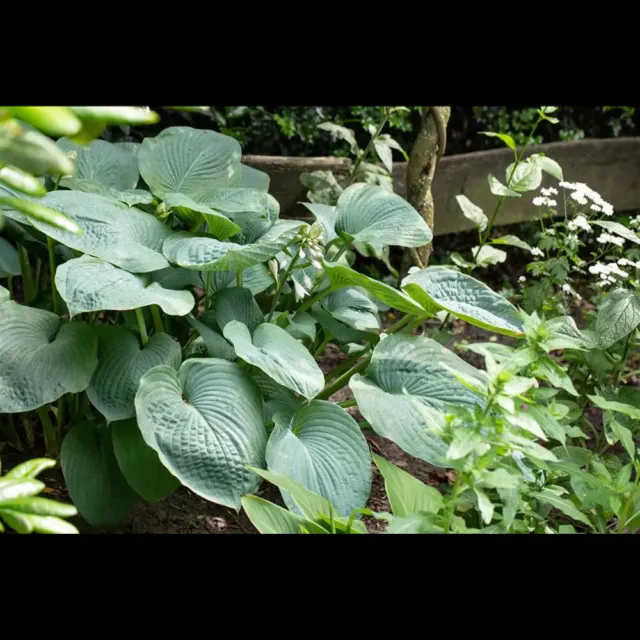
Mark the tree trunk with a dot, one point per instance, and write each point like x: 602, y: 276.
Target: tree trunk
x: 429, y: 146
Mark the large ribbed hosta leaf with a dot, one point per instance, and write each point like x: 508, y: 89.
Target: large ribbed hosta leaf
x: 208, y: 254
x: 254, y: 179
x: 124, y: 236
x: 190, y: 161
x: 437, y: 288
x: 353, y: 308
x: 205, y: 422
x: 90, y: 284
x: 370, y: 213
x: 122, y: 361
x: 405, y: 387
x: 236, y: 303
x: 41, y: 359
x: 129, y: 197
x: 190, y: 211
x: 278, y: 354
x: 323, y: 448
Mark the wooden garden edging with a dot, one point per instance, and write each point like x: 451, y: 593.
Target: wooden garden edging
x: 611, y: 167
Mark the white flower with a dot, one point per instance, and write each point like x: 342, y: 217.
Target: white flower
x: 549, y: 192
x: 540, y: 202
x: 316, y: 265
x: 301, y: 254
x: 550, y: 232
x: 607, y: 271
x: 522, y: 279
x: 301, y: 292
x: 595, y: 207
x: 579, y: 197
x: 537, y: 252
x: 273, y: 267
x: 566, y: 288
x: 306, y: 280
x: 579, y: 222
x: 603, y: 238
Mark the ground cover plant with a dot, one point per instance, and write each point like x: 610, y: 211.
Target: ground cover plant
x: 162, y: 326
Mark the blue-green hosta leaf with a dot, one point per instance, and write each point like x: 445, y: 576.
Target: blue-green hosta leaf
x: 408, y: 383
x: 254, y: 179
x: 205, y: 422
x: 275, y: 397
x: 122, y: 361
x: 129, y: 197
x: 255, y: 212
x: 124, y: 236
x: 326, y: 216
x: 407, y: 495
x: 257, y: 279
x: 238, y: 304
x: 178, y: 278
x: 279, y: 355
x: 190, y: 161
x: 112, y: 164
x: 4, y: 294
x: 618, y: 316
x: 139, y: 463
x: 216, y: 346
x: 302, y: 326
x: 322, y: 448
x: 41, y: 359
x: 9, y: 262
x: 189, y: 211
x: 341, y: 276
x: 437, y: 288
x: 340, y: 331
x: 207, y: 254
x: 90, y: 284
x: 353, y: 309
x: 91, y: 472
x: 369, y: 213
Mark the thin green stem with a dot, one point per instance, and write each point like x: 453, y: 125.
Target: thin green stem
x: 311, y: 301
x: 343, y: 379
x: 38, y: 269
x: 400, y: 324
x: 238, y: 277
x: 347, y: 403
x: 157, y: 318
x: 367, y: 149
x: 623, y: 360
x: 10, y: 284
x: 51, y: 244
x: 281, y: 282
x: 412, y: 325
x: 61, y: 417
x: 142, y: 326
x: 342, y: 249
x: 207, y: 291
x: 50, y: 437
x: 347, y: 363
x: 25, y: 270
x: 323, y: 345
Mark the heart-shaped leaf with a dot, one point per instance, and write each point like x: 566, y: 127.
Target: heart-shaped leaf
x: 238, y: 304
x: 122, y: 361
x: 408, y: 383
x: 40, y: 358
x: 205, y: 422
x: 353, y: 309
x: 254, y: 179
x: 129, y: 197
x: 322, y: 448
x: 124, y: 236
x: 89, y: 284
x: 369, y: 213
x: 190, y: 161
x: 275, y: 397
x: 189, y: 211
x: 437, y: 288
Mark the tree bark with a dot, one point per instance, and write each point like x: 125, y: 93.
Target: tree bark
x: 429, y: 146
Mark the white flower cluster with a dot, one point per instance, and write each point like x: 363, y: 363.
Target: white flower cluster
x: 607, y: 272
x: 550, y: 232
x: 542, y: 201
x: 603, y: 238
x: 568, y: 289
x: 579, y: 222
x: 581, y: 193
x: 623, y: 262
x: 537, y: 252
x: 635, y: 222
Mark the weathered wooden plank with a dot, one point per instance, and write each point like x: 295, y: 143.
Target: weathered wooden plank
x: 611, y: 167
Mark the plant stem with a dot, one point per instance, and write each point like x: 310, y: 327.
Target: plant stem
x: 347, y: 403
x: 60, y: 418
x: 342, y: 249
x: 52, y: 274
x: 238, y: 277
x: 281, y: 282
x: 10, y: 285
x: 25, y: 270
x: 157, y: 318
x: 311, y: 301
x: 207, y: 290
x: 623, y: 360
x: 320, y: 350
x: 142, y: 326
x: 50, y: 438
x: 343, y: 379
x: 346, y: 364
x: 367, y: 149
x: 400, y: 324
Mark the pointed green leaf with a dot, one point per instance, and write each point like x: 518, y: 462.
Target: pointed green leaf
x: 566, y: 507
x: 254, y: 179
x: 472, y: 212
x: 513, y: 241
x: 527, y: 176
x: 29, y: 469
x: 122, y: 361
x: 189, y: 211
x: 507, y: 139
x: 618, y: 316
x: 9, y: 261
x: 205, y: 422
x: 279, y: 355
x: 267, y: 517
x: 437, y: 288
x: 370, y: 213
x: 117, y: 115
x: 21, y: 181
x: 618, y: 229
x: 130, y: 197
x: 216, y: 346
x: 323, y: 448
x: 236, y: 303
x: 89, y: 284
x: 40, y: 358
x: 40, y: 507
x: 498, y: 189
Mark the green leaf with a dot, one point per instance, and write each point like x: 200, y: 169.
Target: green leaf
x: 612, y: 405
x: 566, y: 507
x: 547, y: 423
x: 267, y: 517
x: 472, y: 212
x: 548, y: 165
x: 323, y: 187
x: 326, y: 216
x: 205, y: 422
x: 16, y: 488
x: 254, y: 179
x: 29, y: 469
x: 548, y: 369
x: 527, y: 176
x: 21, y: 181
x: 437, y: 288
x: 414, y: 524
x: 564, y: 334
x: 407, y: 495
x: 193, y: 251
x: 618, y: 229
x: 139, y: 463
x: 130, y: 197
x: 89, y: 284
x: 342, y: 133
x: 489, y: 255
x: 353, y: 309
x: 54, y: 121
x: 215, y: 344
x: 122, y: 361
x: 96, y: 485
x: 187, y: 210
x: 341, y: 276
x: 9, y: 261
x: 126, y: 237
x: 302, y: 326
x: 275, y: 397
x: 498, y: 189
x: 117, y: 115
x: 408, y: 383
x: 618, y: 316
x: 41, y: 359
x: 279, y: 355
x: 322, y: 448
x: 384, y: 153
x: 370, y: 213
x: 507, y: 139
x: 624, y: 435
x: 484, y: 506
x: 190, y: 161
x: 19, y: 209
x: 236, y: 303
x: 40, y: 507
x: 513, y: 241
x: 111, y: 164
